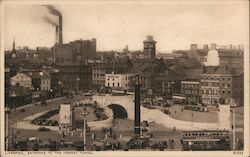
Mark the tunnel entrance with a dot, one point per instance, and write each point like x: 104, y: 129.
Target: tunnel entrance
x: 118, y: 111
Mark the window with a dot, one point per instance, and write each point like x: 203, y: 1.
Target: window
x: 229, y: 79
x: 223, y: 92
x: 118, y: 84
x: 228, y: 85
x: 113, y: 84
x: 229, y: 92
x: 108, y: 84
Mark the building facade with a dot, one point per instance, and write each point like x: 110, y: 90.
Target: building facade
x: 117, y: 81
x: 21, y: 79
x: 74, y: 51
x: 222, y: 82
x: 116, y: 65
x: 191, y: 90
x: 45, y: 81
x: 74, y: 76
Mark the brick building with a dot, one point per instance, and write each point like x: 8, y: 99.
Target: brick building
x: 222, y: 82
x: 74, y: 51
x: 75, y: 76
x: 191, y: 90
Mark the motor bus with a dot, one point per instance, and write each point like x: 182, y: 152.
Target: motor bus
x: 205, y: 140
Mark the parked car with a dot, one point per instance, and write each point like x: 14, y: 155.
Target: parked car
x: 43, y: 129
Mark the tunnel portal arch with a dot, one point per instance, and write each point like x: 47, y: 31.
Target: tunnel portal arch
x: 119, y: 111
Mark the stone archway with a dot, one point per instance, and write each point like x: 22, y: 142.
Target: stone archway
x: 118, y: 111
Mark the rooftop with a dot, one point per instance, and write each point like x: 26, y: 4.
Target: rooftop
x: 222, y: 70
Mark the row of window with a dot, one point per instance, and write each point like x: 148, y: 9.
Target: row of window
x: 190, y: 91
x: 215, y: 84
x: 115, y: 85
x: 214, y: 92
x: 99, y: 75
x: 45, y: 82
x: 190, y: 85
x: 216, y: 78
x: 99, y: 70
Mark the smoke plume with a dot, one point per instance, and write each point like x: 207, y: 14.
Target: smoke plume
x: 50, y: 21
x: 53, y: 10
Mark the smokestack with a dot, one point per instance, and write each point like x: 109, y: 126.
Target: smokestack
x: 137, y: 121
x: 57, y: 35
x: 56, y: 12
x: 60, y: 31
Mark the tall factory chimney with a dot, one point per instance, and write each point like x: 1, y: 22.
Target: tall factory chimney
x: 58, y: 24
x: 60, y: 30
x: 137, y: 121
x: 57, y: 35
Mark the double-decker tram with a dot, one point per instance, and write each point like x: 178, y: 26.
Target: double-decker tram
x: 205, y: 140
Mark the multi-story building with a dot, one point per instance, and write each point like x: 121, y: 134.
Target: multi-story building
x: 74, y: 76
x: 45, y: 81
x: 100, y: 69
x: 21, y: 79
x: 222, y: 82
x: 74, y: 51
x: 156, y: 77
x: 223, y: 55
x: 232, y: 56
x: 98, y: 74
x: 191, y: 90
x: 117, y: 81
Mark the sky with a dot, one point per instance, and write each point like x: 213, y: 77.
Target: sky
x: 174, y: 25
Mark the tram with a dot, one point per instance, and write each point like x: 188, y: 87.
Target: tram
x: 205, y: 140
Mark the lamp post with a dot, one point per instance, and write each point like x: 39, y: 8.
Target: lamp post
x: 84, y: 113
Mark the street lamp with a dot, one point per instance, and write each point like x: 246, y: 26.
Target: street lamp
x: 84, y: 113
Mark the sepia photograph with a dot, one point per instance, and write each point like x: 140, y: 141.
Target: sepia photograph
x: 130, y: 78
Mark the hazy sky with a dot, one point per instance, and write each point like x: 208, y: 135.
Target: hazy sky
x: 116, y: 24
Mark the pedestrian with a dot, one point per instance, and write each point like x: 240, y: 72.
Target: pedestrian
x: 174, y: 128
x: 175, y: 111
x: 192, y: 114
